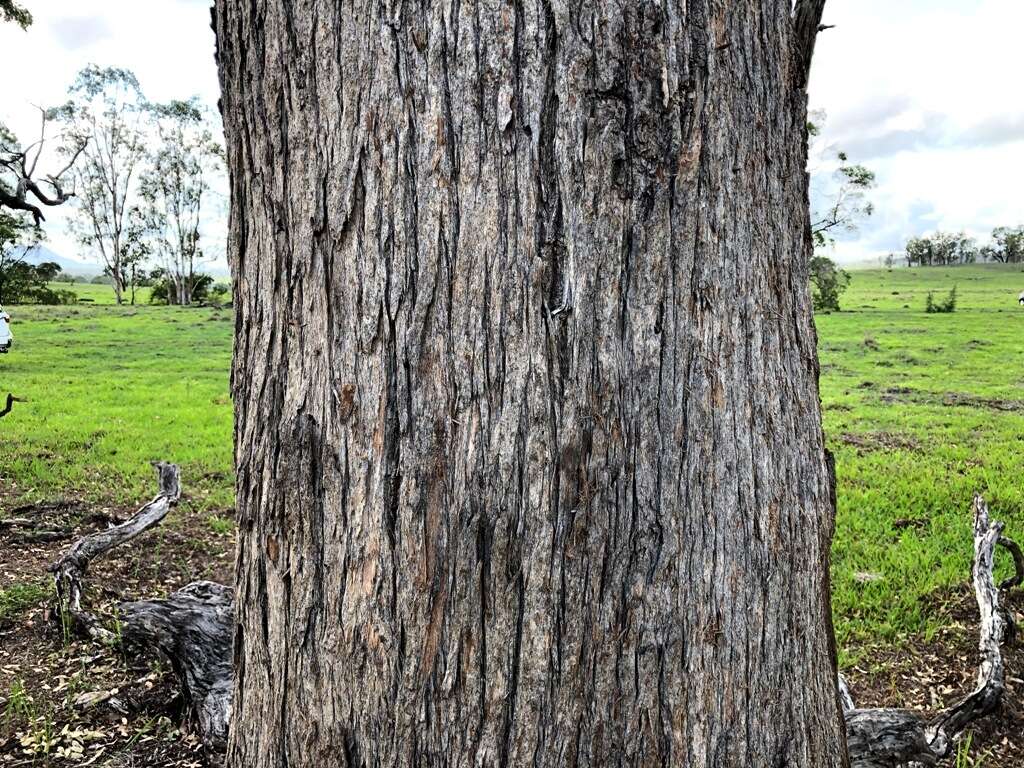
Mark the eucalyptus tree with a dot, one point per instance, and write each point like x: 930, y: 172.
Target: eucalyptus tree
x: 530, y: 465
x: 106, y: 115
x: 175, y: 186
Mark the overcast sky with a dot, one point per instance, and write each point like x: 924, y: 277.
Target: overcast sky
x: 924, y: 92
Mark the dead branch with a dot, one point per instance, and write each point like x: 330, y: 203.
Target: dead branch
x: 11, y: 400
x: 192, y: 627
x: 890, y: 738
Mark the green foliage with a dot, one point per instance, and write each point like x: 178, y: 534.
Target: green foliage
x: 163, y: 292
x: 828, y: 282
x: 847, y: 202
x: 1007, y: 245
x: 21, y: 282
x: 931, y: 306
x: 11, y: 11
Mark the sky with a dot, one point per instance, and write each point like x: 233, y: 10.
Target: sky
x: 923, y: 92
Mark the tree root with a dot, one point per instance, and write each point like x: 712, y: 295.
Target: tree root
x: 193, y: 628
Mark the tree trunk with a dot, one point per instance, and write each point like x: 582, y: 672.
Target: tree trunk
x: 528, y: 438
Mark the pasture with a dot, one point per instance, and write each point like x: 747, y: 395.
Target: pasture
x: 921, y: 411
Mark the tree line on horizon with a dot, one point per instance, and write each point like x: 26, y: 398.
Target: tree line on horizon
x: 951, y: 248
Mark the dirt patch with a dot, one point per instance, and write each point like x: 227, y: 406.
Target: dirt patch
x: 65, y: 701
x: 896, y: 394
x: 879, y: 441
x: 972, y: 401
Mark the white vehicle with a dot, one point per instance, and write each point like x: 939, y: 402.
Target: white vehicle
x: 6, y: 337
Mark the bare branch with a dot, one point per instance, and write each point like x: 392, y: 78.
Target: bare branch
x: 192, y: 627
x: 11, y: 400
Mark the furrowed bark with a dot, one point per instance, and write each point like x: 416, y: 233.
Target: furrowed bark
x: 528, y: 440
x: 192, y: 627
x: 887, y: 738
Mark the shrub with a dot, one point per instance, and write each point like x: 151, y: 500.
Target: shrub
x: 827, y: 284
x: 931, y: 306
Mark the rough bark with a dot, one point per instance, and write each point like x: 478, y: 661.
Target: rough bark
x: 528, y: 437
x: 191, y: 628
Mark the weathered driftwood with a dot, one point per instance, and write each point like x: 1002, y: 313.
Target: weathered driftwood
x: 192, y: 627
x: 888, y: 738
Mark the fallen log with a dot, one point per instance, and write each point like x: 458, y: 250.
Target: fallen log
x: 193, y: 628
x: 891, y: 738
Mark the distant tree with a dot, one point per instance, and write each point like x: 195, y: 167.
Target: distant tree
x: 890, y: 260
x: 173, y: 190
x: 1008, y: 245
x: 11, y: 11
x: 21, y: 282
x: 135, y: 253
x: 165, y: 287
x: 828, y: 282
x: 106, y: 115
x: 941, y: 249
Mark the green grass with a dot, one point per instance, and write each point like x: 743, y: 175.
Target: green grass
x: 18, y: 598
x: 114, y: 388
x: 889, y: 369
x: 111, y: 389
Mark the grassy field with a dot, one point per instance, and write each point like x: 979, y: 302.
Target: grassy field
x: 921, y: 411
x: 90, y: 293
x: 111, y: 389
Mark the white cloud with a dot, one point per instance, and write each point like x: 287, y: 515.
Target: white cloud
x: 923, y: 92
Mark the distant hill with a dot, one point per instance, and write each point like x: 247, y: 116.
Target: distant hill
x: 40, y: 253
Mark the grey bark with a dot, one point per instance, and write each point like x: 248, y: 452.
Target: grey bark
x: 528, y: 437
x: 193, y: 629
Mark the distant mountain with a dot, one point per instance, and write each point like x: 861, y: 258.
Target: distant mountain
x: 39, y: 253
